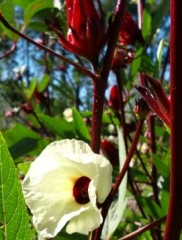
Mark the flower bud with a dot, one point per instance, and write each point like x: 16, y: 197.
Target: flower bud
x: 86, y: 34
x: 110, y: 151
x: 26, y: 107
x: 40, y: 97
x: 114, y: 98
x: 129, y: 31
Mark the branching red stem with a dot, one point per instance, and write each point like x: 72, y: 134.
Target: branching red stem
x: 144, y: 229
x: 100, y: 85
x: 114, y: 190
x: 82, y: 69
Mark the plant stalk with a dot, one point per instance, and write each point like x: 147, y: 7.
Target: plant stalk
x: 114, y: 190
x: 98, y: 103
x: 41, y: 46
x: 174, y: 218
x: 100, y: 84
x: 144, y: 229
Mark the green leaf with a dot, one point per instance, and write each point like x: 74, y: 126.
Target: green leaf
x: 135, y: 65
x: 23, y: 4
x: 117, y: 207
x: 147, y: 21
x: 14, y: 220
x: 151, y: 22
x: 80, y: 127
x: 21, y: 140
x: 36, y: 6
x: 23, y: 167
x: 58, y: 126
x: 75, y: 236
x: 31, y: 88
x: 39, y: 26
x: 43, y: 83
x: 161, y: 165
x: 138, y: 175
x: 146, y: 64
x: 158, y: 59
x: 181, y: 236
x: 150, y: 207
x: 164, y: 201
x: 159, y: 15
x: 7, y: 9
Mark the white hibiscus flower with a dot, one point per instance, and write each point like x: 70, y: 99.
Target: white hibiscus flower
x: 64, y: 185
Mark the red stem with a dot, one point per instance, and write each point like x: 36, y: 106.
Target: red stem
x: 128, y: 159
x: 151, y: 126
x: 121, y: 103
x: 120, y: 8
x: 144, y: 229
x: 99, y: 91
x: 100, y: 84
x: 114, y: 190
x: 174, y: 218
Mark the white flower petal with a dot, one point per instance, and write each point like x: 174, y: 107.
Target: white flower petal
x: 52, y: 202
x: 85, y: 222
x: 104, y: 181
x: 49, y: 183
x: 57, y: 4
x: 72, y: 146
x: 62, y: 148
x: 68, y: 114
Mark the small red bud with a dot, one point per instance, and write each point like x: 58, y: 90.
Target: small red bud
x: 40, y: 97
x: 26, y: 107
x: 129, y: 32
x: 110, y: 151
x: 114, y: 98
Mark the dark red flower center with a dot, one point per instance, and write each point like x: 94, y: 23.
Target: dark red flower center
x: 80, y: 190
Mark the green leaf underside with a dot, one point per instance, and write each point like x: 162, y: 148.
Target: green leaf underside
x: 118, y: 206
x: 14, y: 220
x: 158, y: 59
